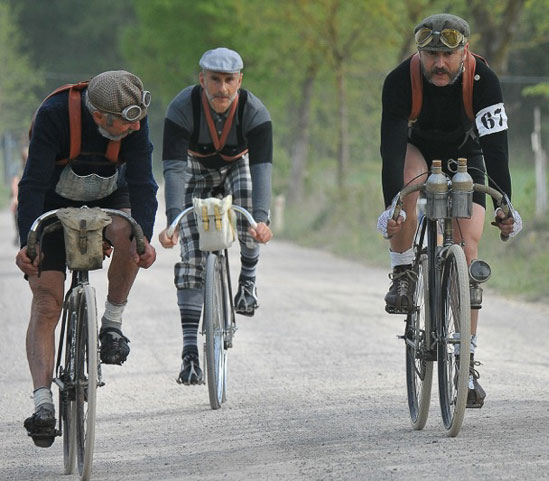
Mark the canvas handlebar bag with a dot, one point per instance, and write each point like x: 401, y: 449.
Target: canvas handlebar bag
x: 216, y: 223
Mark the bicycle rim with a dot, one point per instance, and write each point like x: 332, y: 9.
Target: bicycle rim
x: 86, y: 380
x: 419, y: 371
x: 214, y: 329
x: 67, y: 406
x: 455, y: 335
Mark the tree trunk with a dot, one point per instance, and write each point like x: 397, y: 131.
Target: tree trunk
x: 343, y: 129
x: 300, y: 150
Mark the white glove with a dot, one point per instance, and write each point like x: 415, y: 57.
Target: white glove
x: 517, y: 225
x: 385, y: 217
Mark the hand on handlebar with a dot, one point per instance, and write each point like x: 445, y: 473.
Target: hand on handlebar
x: 166, y: 241
x: 262, y: 233
x: 387, y: 225
x: 146, y: 259
x: 509, y: 225
x: 28, y: 267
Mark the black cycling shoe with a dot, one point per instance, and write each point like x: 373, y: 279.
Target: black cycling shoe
x: 400, y: 298
x: 190, y: 370
x: 476, y: 395
x: 246, y: 301
x: 41, y: 427
x: 114, y: 346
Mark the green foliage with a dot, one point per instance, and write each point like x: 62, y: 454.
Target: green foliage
x: 17, y: 78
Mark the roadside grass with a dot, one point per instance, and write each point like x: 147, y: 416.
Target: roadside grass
x: 346, y: 226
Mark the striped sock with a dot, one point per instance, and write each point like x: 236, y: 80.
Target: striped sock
x: 248, y: 259
x: 190, y: 308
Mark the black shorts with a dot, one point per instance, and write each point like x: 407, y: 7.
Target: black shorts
x: 475, y: 167
x: 53, y: 244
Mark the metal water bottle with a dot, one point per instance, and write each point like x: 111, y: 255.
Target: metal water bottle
x: 436, y: 192
x: 462, y: 191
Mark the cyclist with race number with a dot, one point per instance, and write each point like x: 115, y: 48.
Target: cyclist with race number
x: 112, y: 110
x: 217, y: 139
x: 443, y: 127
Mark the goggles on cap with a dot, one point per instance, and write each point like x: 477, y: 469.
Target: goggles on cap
x: 132, y: 112
x: 450, y: 37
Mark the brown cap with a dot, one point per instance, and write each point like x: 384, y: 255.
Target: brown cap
x: 439, y: 22
x: 115, y: 90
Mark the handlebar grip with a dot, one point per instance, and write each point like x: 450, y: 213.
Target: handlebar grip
x: 31, y: 245
x: 396, y: 212
x: 139, y: 238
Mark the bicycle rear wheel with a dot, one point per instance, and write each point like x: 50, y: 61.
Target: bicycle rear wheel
x: 419, y: 370
x: 214, y: 327
x: 455, y: 335
x: 86, y: 379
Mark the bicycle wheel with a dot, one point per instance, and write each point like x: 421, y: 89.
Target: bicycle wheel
x: 214, y: 327
x: 67, y: 406
x: 419, y: 369
x: 86, y: 379
x: 454, y: 338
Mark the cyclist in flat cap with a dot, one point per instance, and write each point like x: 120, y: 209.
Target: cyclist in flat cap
x: 217, y: 137
x: 441, y: 129
x: 113, y: 108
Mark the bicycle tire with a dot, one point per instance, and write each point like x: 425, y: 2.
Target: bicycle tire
x: 214, y: 324
x: 86, y: 380
x: 455, y: 319
x: 67, y: 406
x: 419, y: 370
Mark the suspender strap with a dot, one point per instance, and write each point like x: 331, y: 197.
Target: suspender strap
x: 469, y: 65
x: 219, y: 142
x: 417, y: 86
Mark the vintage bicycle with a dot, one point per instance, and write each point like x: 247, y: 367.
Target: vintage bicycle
x: 78, y: 369
x: 218, y: 318
x: 438, y: 323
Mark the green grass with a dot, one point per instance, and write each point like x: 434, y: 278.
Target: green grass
x: 346, y: 226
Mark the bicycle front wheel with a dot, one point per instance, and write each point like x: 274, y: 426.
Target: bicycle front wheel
x: 419, y: 368
x: 67, y: 406
x: 454, y: 340
x: 214, y: 328
x: 86, y: 379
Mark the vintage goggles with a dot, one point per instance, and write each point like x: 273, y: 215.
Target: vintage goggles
x: 450, y: 37
x: 132, y: 113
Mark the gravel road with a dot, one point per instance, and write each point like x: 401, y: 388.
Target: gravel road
x: 316, y: 388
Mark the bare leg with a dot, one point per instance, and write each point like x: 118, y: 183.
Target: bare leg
x: 46, y: 307
x: 414, y: 165
x: 122, y: 270
x: 470, y: 230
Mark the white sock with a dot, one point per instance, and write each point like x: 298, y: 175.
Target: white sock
x: 113, y: 315
x: 42, y: 396
x: 401, y: 258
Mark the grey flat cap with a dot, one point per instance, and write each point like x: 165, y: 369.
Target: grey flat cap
x: 115, y: 90
x: 439, y: 22
x: 221, y: 60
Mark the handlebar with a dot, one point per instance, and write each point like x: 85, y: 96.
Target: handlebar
x: 32, y: 238
x: 175, y: 224
x: 499, y: 198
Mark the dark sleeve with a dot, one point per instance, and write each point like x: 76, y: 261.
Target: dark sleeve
x: 175, y: 141
x: 49, y: 134
x: 396, y: 105
x: 495, y: 150
x: 140, y: 179
x: 260, y: 143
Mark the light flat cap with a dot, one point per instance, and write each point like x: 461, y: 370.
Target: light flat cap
x: 221, y: 60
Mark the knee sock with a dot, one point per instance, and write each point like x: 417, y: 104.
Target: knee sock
x: 42, y: 397
x: 190, y: 308
x: 248, y: 260
x: 113, y: 315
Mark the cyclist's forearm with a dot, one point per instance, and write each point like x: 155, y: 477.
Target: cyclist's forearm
x: 261, y: 190
x: 174, y: 193
x: 496, y: 159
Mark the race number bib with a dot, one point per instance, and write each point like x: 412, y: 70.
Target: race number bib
x: 491, y: 120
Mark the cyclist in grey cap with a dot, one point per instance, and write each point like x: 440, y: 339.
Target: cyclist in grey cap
x: 444, y: 127
x: 217, y: 139
x: 113, y: 109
